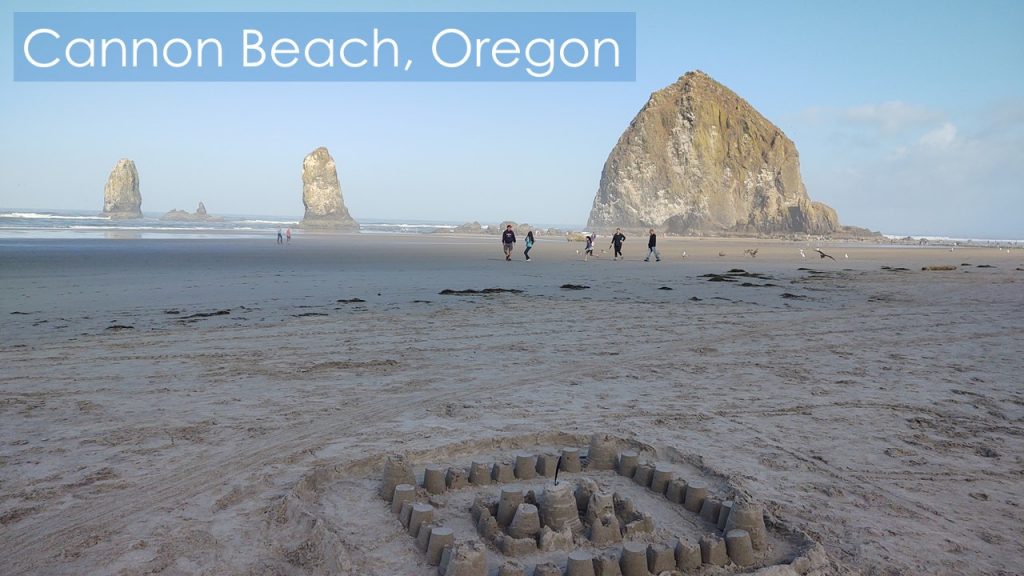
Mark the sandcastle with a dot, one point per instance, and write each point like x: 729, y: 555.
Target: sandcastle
x: 584, y: 507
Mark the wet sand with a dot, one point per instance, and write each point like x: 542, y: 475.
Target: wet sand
x: 160, y: 399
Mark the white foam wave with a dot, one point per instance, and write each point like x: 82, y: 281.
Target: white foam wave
x: 40, y: 216
x: 948, y: 239
x: 276, y: 222
x: 404, y: 226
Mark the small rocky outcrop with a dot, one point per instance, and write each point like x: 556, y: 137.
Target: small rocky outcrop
x: 496, y: 230
x: 321, y: 195
x: 699, y: 159
x: 121, y: 196
x: 199, y: 215
x: 473, y: 227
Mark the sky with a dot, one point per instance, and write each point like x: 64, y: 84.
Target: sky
x: 908, y: 116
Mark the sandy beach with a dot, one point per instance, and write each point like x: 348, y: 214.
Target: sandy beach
x: 226, y: 406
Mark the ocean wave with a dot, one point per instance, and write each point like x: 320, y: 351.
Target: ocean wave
x: 398, y: 225
x: 950, y: 240
x: 275, y: 222
x: 39, y: 216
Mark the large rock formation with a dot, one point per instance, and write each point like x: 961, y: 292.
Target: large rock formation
x: 121, y: 196
x: 321, y: 194
x: 700, y: 159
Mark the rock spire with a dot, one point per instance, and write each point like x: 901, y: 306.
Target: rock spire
x: 321, y: 194
x: 121, y: 196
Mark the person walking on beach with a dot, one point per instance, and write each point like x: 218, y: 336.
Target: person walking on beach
x: 288, y: 235
x: 280, y: 237
x: 652, y: 247
x: 588, y: 251
x: 508, y: 241
x: 617, y: 241
x: 529, y: 245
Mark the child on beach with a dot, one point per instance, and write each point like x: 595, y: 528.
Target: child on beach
x: 288, y: 235
x: 589, y: 250
x: 280, y: 237
x: 529, y: 245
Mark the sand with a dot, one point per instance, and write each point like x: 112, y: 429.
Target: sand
x: 218, y: 406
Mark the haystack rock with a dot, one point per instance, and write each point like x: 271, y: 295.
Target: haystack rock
x: 121, y: 196
x: 321, y: 194
x: 698, y: 159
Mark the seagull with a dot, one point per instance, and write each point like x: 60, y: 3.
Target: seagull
x: 847, y: 256
x: 684, y: 253
x: 823, y: 255
x: 802, y: 255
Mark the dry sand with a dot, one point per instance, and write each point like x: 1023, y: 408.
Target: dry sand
x: 213, y: 407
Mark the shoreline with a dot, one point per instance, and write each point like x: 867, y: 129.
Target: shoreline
x: 156, y: 233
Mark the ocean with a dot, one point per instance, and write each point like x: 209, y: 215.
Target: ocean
x: 55, y: 224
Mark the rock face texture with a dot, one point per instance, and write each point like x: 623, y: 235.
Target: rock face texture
x: 199, y: 215
x: 321, y: 194
x: 700, y: 159
x: 121, y: 196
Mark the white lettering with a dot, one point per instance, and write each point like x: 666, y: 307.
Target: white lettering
x: 138, y: 42
x: 329, y: 44
x: 497, y: 52
x: 284, y: 47
x: 378, y: 43
x: 577, y: 42
x: 90, y: 47
x: 466, y: 50
x: 203, y: 43
x: 548, y: 62
x: 28, y: 53
x: 257, y: 46
x: 480, y: 43
x: 176, y: 52
x: 342, y: 53
x: 105, y: 44
x: 597, y: 51
x: 167, y: 53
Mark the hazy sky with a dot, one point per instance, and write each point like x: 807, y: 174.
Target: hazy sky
x: 909, y: 118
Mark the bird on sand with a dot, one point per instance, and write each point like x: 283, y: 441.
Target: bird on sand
x: 802, y: 255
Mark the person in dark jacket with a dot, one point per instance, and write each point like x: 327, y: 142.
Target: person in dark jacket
x: 617, y: 241
x: 508, y: 241
x: 652, y: 247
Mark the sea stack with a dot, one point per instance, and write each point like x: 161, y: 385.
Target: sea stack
x: 698, y: 159
x: 321, y: 195
x: 121, y: 196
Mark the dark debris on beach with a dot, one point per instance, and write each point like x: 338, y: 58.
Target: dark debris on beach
x: 471, y: 292
x: 733, y: 274
x: 224, y: 312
